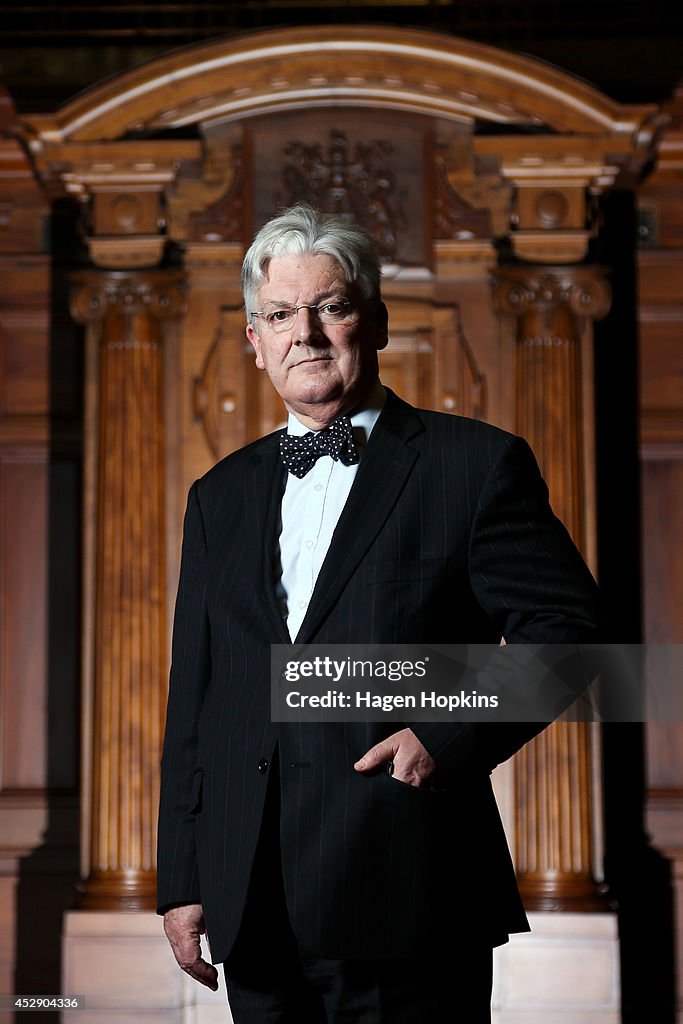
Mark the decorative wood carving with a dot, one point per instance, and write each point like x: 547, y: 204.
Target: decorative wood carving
x: 375, y: 170
x: 553, y: 773
x: 463, y: 386
x: 125, y: 315
x: 224, y: 219
x: 205, y: 402
x: 454, y: 217
x: 356, y: 181
x: 201, y: 183
x: 224, y: 398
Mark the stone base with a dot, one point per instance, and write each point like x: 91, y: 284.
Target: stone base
x: 122, y: 964
x: 565, y: 972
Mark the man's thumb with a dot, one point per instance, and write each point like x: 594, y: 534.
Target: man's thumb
x: 375, y: 756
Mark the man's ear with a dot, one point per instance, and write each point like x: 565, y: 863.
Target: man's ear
x: 382, y: 326
x: 255, y: 342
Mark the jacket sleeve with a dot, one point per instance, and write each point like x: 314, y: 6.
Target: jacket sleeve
x: 190, y: 672
x: 533, y: 584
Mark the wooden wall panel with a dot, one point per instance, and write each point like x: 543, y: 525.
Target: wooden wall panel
x: 24, y: 387
x: 661, y: 374
x: 23, y: 360
x: 24, y: 335
x: 660, y: 321
x: 663, y: 550
x: 23, y: 558
x: 660, y: 277
x: 663, y: 594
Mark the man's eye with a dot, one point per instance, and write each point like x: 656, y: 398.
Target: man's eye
x: 332, y: 309
x: 279, y: 316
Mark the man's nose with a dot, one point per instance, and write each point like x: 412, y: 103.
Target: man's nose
x: 307, y: 327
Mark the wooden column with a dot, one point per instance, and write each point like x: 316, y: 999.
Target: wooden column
x: 126, y: 314
x: 554, y: 773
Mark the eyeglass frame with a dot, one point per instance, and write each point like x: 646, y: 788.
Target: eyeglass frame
x: 315, y: 306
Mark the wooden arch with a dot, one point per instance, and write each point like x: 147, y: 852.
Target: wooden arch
x: 397, y: 68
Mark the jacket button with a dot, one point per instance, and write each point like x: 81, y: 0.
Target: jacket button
x: 263, y: 765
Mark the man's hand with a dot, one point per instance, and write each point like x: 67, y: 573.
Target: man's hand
x: 183, y: 926
x: 412, y: 763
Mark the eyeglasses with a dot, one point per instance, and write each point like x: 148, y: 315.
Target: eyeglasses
x: 332, y: 311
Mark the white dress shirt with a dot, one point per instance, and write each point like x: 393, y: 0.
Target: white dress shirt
x: 311, y: 507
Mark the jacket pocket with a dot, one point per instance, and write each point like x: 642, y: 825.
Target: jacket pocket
x: 409, y: 789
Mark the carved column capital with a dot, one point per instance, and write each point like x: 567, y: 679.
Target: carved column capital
x: 156, y: 293
x: 520, y: 288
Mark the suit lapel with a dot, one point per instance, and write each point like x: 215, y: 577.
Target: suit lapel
x: 262, y: 501
x: 385, y: 467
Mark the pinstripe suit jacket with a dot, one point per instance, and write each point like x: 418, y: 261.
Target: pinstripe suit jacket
x: 446, y: 537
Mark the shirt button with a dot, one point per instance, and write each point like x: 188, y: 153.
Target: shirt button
x: 263, y: 765
x: 302, y: 604
x: 318, y: 487
x: 309, y: 543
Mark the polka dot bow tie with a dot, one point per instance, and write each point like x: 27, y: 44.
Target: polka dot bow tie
x: 300, y: 454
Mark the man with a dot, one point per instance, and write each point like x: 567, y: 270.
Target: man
x: 347, y: 872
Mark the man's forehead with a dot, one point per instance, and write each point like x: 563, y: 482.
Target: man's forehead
x: 308, y: 268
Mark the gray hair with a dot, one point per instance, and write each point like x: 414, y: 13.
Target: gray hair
x: 303, y: 230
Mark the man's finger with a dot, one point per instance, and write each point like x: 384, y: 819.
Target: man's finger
x: 203, y: 972
x: 192, y: 963
x: 401, y: 754
x: 376, y: 756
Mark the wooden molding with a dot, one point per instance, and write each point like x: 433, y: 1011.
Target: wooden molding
x: 286, y: 69
x: 550, y: 246
x: 82, y: 169
x: 126, y: 253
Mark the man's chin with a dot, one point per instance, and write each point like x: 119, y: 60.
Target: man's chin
x: 318, y: 392
x: 319, y: 407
